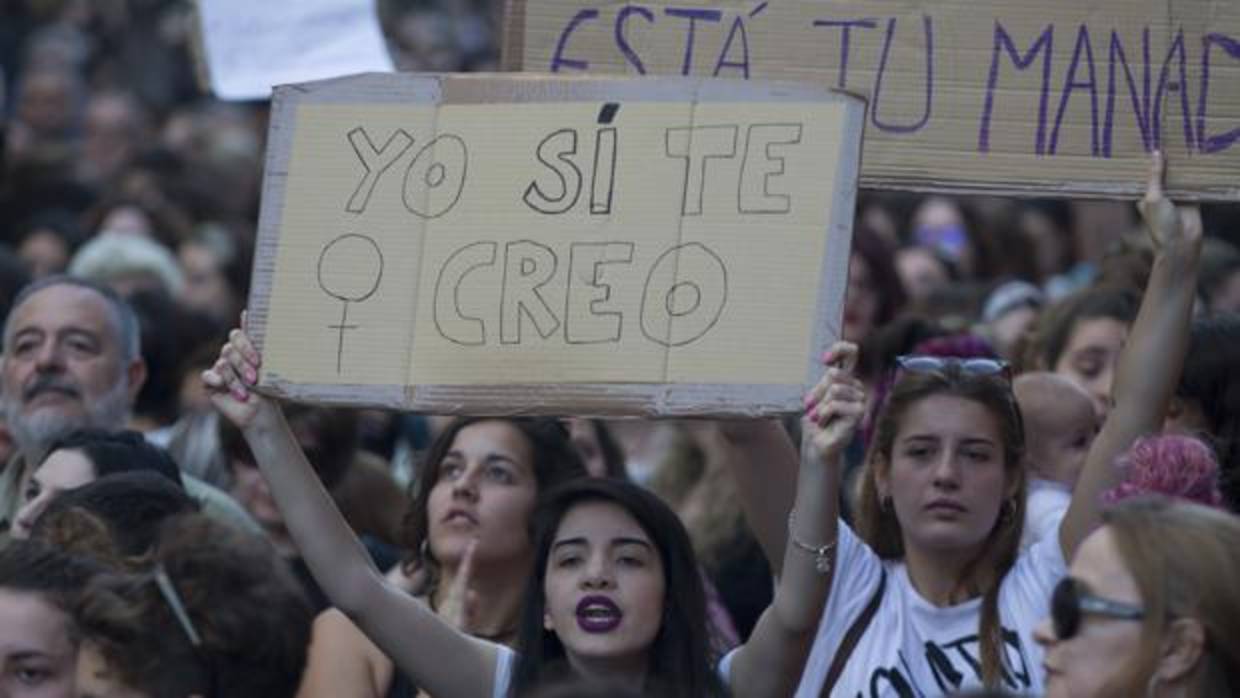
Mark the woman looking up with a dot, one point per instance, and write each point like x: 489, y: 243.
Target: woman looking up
x: 480, y: 482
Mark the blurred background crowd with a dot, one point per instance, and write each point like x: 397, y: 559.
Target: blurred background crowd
x: 119, y: 167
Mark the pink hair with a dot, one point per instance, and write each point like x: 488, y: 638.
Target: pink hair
x: 1180, y: 467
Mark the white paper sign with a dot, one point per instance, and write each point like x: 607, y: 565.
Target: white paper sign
x: 250, y: 46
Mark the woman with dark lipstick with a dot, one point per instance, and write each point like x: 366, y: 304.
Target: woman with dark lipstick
x: 616, y: 594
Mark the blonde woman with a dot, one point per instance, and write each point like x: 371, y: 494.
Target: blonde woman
x: 1151, y: 606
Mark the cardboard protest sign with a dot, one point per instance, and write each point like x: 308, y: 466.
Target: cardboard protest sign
x: 1057, y: 97
x: 246, y: 47
x: 529, y: 245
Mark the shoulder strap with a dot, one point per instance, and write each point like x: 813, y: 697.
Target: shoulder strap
x: 855, y: 631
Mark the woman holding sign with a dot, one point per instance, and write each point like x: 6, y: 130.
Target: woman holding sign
x: 616, y: 593
x: 932, y: 594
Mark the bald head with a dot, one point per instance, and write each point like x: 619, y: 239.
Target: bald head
x: 1060, y: 424
x: 1045, y: 394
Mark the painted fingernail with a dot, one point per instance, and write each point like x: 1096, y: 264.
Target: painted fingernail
x: 250, y: 375
x: 813, y: 414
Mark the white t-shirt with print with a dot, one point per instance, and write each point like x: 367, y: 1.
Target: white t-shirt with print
x: 913, y: 649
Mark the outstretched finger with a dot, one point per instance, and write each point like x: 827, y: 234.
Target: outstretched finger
x: 455, y: 608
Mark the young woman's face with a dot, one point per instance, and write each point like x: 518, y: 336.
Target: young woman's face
x: 1102, y: 648
x: 604, y: 587
x: 1090, y: 356
x: 36, y: 654
x: 64, y: 469
x: 486, y: 490
x: 946, y: 479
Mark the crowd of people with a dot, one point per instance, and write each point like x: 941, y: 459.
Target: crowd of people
x: 1018, y: 476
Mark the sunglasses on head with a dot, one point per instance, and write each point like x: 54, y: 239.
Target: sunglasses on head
x: 969, y: 366
x: 1070, y: 601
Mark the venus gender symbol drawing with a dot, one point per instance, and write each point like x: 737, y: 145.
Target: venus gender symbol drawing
x: 350, y: 268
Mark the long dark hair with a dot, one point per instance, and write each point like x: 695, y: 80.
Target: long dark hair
x: 1211, y: 380
x: 555, y: 460
x: 880, y: 528
x: 114, y: 452
x: 680, y: 661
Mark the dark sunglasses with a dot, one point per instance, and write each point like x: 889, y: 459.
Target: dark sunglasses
x: 1070, y: 601
x: 937, y: 364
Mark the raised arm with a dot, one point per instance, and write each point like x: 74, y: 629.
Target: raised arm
x: 772, y: 662
x: 341, y: 661
x: 763, y: 461
x: 445, y: 662
x: 1150, y: 363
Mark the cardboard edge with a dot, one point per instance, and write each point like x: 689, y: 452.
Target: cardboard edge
x: 391, y: 397
x: 517, y: 88
x: 483, y: 88
x: 377, y: 88
x: 632, y: 400
x: 1121, y: 191
x: 280, y: 132
x: 512, y: 35
x: 611, y: 400
x: 833, y: 274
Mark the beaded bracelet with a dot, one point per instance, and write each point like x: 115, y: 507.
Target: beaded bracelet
x: 821, y: 553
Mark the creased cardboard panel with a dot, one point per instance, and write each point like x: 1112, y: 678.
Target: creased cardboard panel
x: 1060, y: 97
x: 535, y: 245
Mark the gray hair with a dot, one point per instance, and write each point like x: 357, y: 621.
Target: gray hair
x: 112, y: 256
x: 125, y: 320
